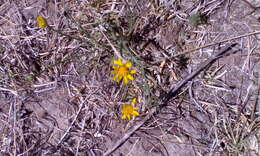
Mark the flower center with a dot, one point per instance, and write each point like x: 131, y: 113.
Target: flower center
x: 122, y: 70
x: 128, y: 109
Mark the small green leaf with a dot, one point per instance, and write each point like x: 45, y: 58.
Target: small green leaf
x: 198, y: 19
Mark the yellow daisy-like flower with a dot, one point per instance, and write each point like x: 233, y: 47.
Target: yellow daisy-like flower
x: 129, y: 109
x: 41, y: 21
x: 122, y: 71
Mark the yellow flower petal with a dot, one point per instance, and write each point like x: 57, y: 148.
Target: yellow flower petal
x: 115, y: 67
x: 123, y: 116
x: 125, y: 80
x: 128, y: 64
x: 133, y: 102
x: 129, y: 117
x: 119, y: 78
x: 132, y: 71
x: 114, y: 77
x: 135, y: 113
x: 41, y: 22
x: 118, y: 62
x: 130, y: 77
x: 113, y: 72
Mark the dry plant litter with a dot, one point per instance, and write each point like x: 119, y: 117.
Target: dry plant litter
x: 187, y: 95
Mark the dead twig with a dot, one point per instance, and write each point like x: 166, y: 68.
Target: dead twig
x: 203, y: 65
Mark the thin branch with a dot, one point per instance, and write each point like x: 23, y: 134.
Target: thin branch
x: 201, y: 67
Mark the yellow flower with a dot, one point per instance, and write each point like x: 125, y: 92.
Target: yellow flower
x: 41, y: 21
x: 129, y: 109
x: 122, y: 71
